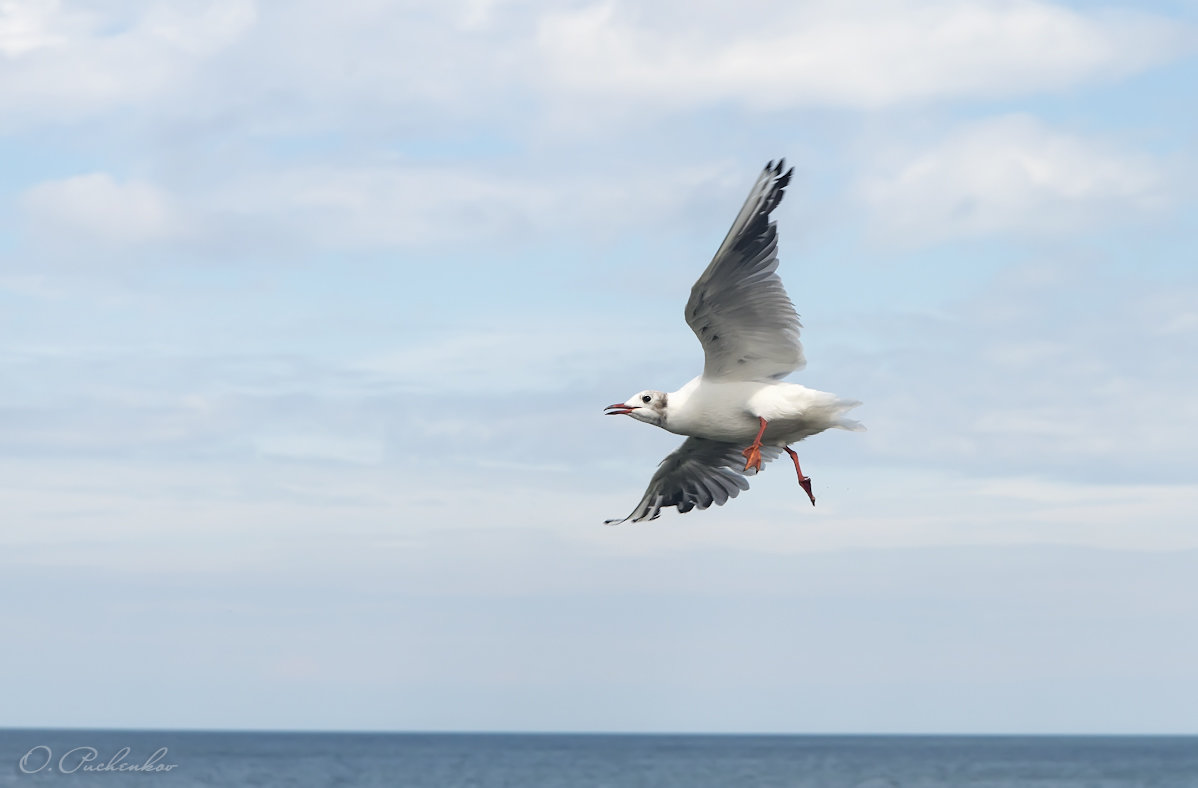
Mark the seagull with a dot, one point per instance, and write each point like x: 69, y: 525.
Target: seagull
x: 749, y: 331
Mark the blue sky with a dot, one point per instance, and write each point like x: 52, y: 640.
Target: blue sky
x: 307, y: 319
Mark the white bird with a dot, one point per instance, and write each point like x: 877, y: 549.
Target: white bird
x: 750, y: 335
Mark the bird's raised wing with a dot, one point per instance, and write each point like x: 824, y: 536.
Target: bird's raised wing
x: 738, y: 308
x: 697, y: 474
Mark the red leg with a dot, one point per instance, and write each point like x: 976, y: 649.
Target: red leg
x: 753, y: 453
x: 804, y: 481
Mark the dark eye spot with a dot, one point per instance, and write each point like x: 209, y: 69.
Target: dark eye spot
x: 646, y: 399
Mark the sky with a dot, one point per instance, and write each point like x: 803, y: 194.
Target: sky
x: 309, y: 311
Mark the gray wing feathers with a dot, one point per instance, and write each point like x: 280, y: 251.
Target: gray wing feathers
x: 696, y: 475
x: 738, y: 308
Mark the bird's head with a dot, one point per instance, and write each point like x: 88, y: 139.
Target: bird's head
x: 646, y: 406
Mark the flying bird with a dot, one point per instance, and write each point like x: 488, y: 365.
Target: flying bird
x: 739, y: 414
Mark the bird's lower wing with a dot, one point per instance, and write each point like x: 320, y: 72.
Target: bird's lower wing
x: 696, y: 475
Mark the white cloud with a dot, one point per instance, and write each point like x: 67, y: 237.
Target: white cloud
x: 96, y: 207
x: 317, y: 445
x: 389, y: 203
x: 138, y: 514
x: 1061, y: 371
x: 26, y: 26
x: 388, y: 67
x: 852, y: 54
x: 1012, y: 173
x: 386, y: 204
x: 368, y: 205
x: 65, y: 62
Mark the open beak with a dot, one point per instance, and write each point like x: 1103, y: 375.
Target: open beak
x: 619, y: 409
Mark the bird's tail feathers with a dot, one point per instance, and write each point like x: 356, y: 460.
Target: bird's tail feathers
x: 844, y: 406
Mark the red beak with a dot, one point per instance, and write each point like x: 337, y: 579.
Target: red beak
x: 619, y: 409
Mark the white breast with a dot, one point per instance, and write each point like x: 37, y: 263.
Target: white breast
x: 718, y: 411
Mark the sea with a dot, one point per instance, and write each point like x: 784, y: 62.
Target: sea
x: 80, y: 758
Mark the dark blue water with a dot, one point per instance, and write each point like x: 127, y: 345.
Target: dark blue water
x: 437, y: 760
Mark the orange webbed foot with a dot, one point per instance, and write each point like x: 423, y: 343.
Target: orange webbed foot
x: 753, y: 453
x: 752, y: 457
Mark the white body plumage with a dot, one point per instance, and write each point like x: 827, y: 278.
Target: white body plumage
x: 729, y: 411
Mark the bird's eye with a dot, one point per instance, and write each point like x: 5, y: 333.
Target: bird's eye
x: 646, y: 399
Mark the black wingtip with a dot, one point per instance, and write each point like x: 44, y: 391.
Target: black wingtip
x: 778, y: 188
x: 776, y: 169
